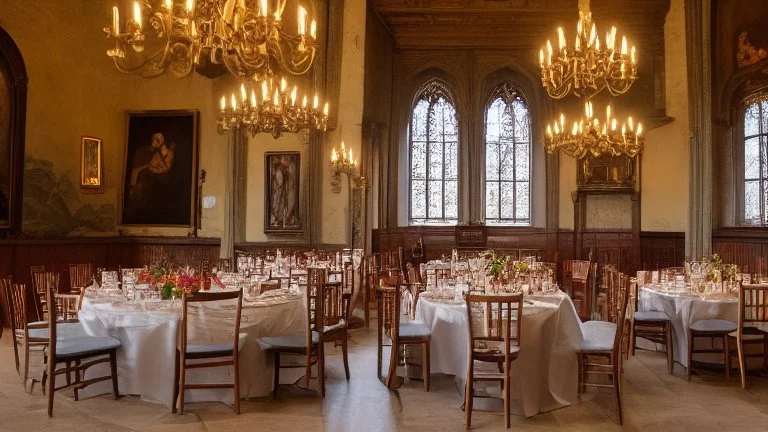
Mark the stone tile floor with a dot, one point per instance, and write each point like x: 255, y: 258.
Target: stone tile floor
x: 653, y: 400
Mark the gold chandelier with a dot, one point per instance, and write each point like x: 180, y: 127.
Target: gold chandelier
x: 590, y: 135
x: 246, y: 36
x: 275, y: 111
x: 588, y: 68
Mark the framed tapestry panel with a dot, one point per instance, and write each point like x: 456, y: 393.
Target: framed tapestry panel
x: 282, y: 182
x: 160, y: 170
x: 91, y: 169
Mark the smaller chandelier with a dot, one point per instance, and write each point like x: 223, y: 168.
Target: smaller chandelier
x: 247, y: 38
x: 591, y: 136
x: 276, y: 111
x: 588, y: 68
x: 342, y: 161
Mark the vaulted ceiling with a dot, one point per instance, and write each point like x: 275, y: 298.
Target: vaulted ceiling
x: 509, y: 23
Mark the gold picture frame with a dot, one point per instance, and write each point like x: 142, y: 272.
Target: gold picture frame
x: 91, y: 164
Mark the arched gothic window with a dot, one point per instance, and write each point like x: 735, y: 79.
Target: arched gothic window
x: 507, y: 158
x: 756, y: 162
x: 434, y: 157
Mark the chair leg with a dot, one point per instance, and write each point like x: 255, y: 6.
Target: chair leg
x: 742, y: 363
x: 51, y: 385
x: 425, y: 365
x: 77, y: 378
x: 580, y: 386
x: 617, y: 387
x: 379, y: 353
x: 236, y: 382
x: 727, y: 355
x: 321, y: 368
x: 344, y: 352
x: 113, y: 366
x: 276, y: 378
x: 468, y: 397
x: 182, y: 379
x: 25, y: 374
x: 507, y: 393
x: 690, y: 355
x: 670, y: 349
x: 175, y: 382
x: 394, y: 356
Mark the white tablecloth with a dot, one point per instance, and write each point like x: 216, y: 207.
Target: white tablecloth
x: 145, y: 361
x: 544, y: 376
x: 684, y: 309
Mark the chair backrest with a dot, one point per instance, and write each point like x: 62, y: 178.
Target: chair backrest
x: 490, y: 319
x: 79, y: 276
x: 206, y: 297
x: 37, y: 269
x: 624, y: 314
x: 284, y: 281
x: 611, y: 284
x: 5, y: 285
x: 753, y: 304
x: 16, y: 295
x: 388, y: 304
x: 40, y: 282
x: 579, y: 271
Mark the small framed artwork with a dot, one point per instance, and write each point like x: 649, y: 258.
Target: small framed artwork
x: 91, y: 165
x: 160, y: 171
x: 282, y: 182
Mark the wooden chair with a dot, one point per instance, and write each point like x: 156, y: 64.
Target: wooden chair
x: 307, y: 344
x: 41, y: 280
x: 389, y: 301
x: 26, y: 336
x: 71, y: 349
x: 215, y: 354
x: 752, y: 327
x: 492, y: 339
x: 600, y: 350
x: 335, y: 302
x: 579, y: 286
x: 80, y: 276
x: 655, y: 326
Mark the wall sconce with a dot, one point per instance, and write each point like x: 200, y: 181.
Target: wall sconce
x: 343, y: 162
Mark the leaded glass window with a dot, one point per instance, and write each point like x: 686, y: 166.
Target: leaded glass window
x: 756, y: 163
x: 434, y: 157
x: 507, y: 158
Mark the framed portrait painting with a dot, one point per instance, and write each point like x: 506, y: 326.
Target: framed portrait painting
x: 160, y: 171
x: 91, y: 169
x: 282, y: 182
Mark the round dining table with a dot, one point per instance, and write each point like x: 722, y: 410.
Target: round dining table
x: 149, y: 332
x: 684, y: 308
x: 545, y: 374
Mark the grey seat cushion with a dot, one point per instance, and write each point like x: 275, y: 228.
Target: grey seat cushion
x: 220, y: 347
x: 295, y: 341
x: 82, y: 345
x: 714, y: 325
x: 651, y: 316
x: 63, y: 331
x: 598, y: 337
x: 414, y: 329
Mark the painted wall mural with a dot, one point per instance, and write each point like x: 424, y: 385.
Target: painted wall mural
x: 52, y: 204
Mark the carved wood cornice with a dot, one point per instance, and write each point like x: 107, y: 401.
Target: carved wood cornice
x: 488, y: 23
